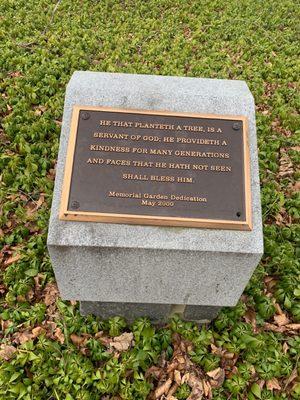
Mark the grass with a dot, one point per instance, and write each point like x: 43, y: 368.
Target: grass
x: 48, y: 351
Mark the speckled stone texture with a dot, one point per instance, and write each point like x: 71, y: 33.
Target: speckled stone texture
x: 157, y: 313
x: 97, y: 262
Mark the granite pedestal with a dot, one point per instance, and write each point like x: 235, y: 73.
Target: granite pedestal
x: 132, y: 270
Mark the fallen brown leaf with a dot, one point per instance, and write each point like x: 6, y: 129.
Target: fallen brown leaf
x: 51, y: 174
x: 177, y: 377
x: 40, y: 200
x: 185, y: 378
x: 261, y: 383
x: 285, y: 347
x: 281, y: 319
x: 7, y: 352
x: 24, y: 337
x: 59, y: 335
x: 50, y: 294
x: 291, y: 378
x: 218, y: 376
x: 163, y: 389
x: 270, y: 282
x: 154, y: 371
x: 285, y: 164
x: 296, y: 187
x: 293, y: 327
x: 216, y: 350
x: 33, y: 206
x: 5, y: 324
x: 77, y: 340
x: 15, y: 74
x: 172, y: 390
x: 12, y: 260
x: 277, y: 308
x: 197, y: 388
x: 39, y: 110
x: 250, y: 318
x: 274, y: 328
x: 37, y: 331
x: 228, y: 355
x: 122, y: 342
x: 38, y: 280
x: 273, y: 384
x: 207, y: 389
x: 214, y: 373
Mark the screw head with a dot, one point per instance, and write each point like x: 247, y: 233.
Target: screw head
x: 75, y: 204
x: 85, y: 115
x: 236, y: 126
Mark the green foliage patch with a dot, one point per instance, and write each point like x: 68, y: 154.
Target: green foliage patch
x: 49, y: 351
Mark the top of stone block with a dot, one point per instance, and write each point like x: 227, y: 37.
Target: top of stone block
x: 153, y: 92
x: 158, y: 83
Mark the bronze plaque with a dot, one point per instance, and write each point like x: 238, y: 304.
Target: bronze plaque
x: 157, y: 168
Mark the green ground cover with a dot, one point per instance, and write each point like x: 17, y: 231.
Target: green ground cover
x: 48, y: 351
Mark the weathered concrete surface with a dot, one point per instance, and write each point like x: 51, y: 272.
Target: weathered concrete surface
x: 157, y: 313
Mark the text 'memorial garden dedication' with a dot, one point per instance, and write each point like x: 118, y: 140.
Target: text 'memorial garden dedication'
x: 157, y: 168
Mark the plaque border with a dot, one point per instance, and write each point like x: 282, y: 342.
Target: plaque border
x: 86, y: 216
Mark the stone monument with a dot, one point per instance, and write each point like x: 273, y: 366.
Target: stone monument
x: 156, y: 206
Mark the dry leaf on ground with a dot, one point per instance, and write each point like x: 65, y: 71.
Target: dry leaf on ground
x: 196, y: 385
x: 37, y: 331
x: 293, y: 327
x: 172, y: 390
x: 218, y: 376
x: 273, y: 384
x: 33, y: 206
x: 177, y: 377
x: 281, y: 319
x: 7, y: 352
x: 250, y: 318
x: 23, y: 337
x: 122, y: 342
x: 59, y: 335
x: 207, y: 389
x: 285, y: 347
x: 154, y: 371
x: 291, y: 378
x: 50, y: 293
x: 274, y: 328
x: 12, y: 260
x: 77, y: 340
x: 163, y: 389
x: 15, y: 74
x: 270, y: 282
x: 216, y: 350
x: 285, y: 164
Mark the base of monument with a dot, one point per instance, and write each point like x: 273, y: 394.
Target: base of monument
x: 157, y: 313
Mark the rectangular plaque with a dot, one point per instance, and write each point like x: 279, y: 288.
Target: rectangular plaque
x: 157, y: 168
